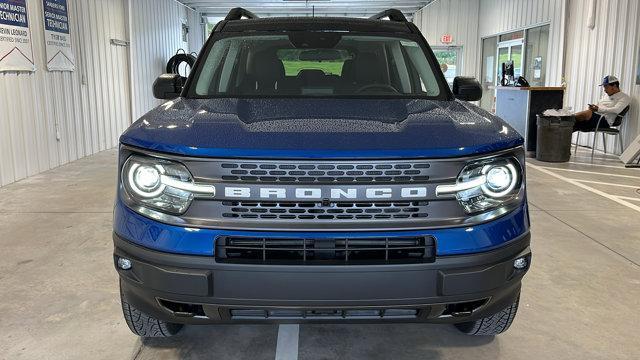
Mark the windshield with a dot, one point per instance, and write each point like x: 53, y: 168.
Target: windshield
x: 315, y: 64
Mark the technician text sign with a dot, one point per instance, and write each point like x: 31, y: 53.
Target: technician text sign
x: 16, y: 53
x: 56, y: 36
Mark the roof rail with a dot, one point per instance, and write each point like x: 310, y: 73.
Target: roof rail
x: 392, y: 14
x: 238, y: 13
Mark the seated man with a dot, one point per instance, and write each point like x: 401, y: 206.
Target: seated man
x: 610, y: 105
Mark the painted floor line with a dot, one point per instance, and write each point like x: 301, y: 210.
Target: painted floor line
x: 630, y: 198
x: 607, y: 157
x: 606, y: 183
x: 287, y: 346
x: 598, y: 165
x: 587, y: 150
x: 586, y: 187
x: 598, y: 158
x: 590, y: 172
x: 551, y: 213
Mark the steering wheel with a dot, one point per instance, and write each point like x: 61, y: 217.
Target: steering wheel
x: 377, y: 86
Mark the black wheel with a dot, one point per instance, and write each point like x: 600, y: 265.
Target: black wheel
x: 144, y: 325
x: 493, y: 324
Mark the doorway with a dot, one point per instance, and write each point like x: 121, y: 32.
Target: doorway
x: 511, y: 48
x: 488, y: 72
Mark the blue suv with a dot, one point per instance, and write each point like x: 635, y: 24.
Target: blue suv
x: 319, y: 170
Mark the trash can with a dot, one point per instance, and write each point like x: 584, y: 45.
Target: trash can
x: 554, y: 138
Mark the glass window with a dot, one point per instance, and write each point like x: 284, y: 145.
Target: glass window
x: 503, y: 56
x: 449, y: 61
x: 510, y: 52
x: 536, y: 55
x: 516, y: 57
x: 330, y: 62
x: 315, y: 64
x: 489, y: 75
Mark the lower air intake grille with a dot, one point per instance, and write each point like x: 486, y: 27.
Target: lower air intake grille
x: 339, y: 251
x: 323, y: 314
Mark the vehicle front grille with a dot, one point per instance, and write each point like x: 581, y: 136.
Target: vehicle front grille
x: 352, y: 209
x: 319, y: 211
x: 309, y: 173
x: 330, y: 251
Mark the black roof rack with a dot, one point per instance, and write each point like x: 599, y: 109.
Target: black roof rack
x: 238, y: 13
x: 392, y: 14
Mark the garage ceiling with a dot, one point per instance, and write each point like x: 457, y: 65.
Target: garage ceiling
x: 355, y: 8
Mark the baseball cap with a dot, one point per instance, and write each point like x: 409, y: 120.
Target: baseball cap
x: 608, y: 80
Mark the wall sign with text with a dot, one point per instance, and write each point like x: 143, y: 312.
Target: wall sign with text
x: 16, y: 52
x: 57, y: 37
x: 446, y: 39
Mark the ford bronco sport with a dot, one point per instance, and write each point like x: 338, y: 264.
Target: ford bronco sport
x: 319, y: 170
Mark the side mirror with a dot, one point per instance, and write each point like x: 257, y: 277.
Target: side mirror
x: 168, y: 86
x: 467, y: 88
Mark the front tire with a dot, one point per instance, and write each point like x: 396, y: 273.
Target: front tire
x: 491, y: 325
x: 145, y: 325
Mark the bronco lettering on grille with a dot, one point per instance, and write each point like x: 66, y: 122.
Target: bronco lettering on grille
x: 322, y: 193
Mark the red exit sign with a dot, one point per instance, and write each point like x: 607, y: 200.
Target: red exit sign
x: 446, y: 39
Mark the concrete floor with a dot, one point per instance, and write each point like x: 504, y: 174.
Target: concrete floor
x: 581, y: 300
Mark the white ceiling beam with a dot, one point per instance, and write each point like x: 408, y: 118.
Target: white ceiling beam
x: 265, y: 6
x: 389, y: 4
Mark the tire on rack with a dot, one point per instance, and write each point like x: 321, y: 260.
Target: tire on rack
x: 144, y: 325
x: 493, y: 324
x: 173, y: 65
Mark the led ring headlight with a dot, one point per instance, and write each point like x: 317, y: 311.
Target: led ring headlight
x: 161, y: 185
x: 500, y: 179
x: 145, y: 180
x: 485, y: 185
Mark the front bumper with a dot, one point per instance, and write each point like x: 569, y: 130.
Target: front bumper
x: 197, y: 290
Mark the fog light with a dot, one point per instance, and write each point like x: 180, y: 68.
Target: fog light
x: 124, y: 264
x: 520, y: 263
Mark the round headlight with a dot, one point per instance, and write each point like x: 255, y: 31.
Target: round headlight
x: 500, y: 179
x: 145, y: 180
x: 487, y: 184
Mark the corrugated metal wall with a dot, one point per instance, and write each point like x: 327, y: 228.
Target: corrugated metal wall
x: 458, y: 18
x: 196, y: 30
x: 156, y: 35
x: 499, y: 16
x: 610, y: 48
x: 51, y: 118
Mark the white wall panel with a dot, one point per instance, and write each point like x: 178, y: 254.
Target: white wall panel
x: 196, y: 31
x: 458, y: 18
x: 50, y: 118
x: 156, y: 35
x: 470, y: 20
x: 500, y: 16
x: 611, y: 48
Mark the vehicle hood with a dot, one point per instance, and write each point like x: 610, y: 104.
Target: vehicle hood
x: 320, y: 128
